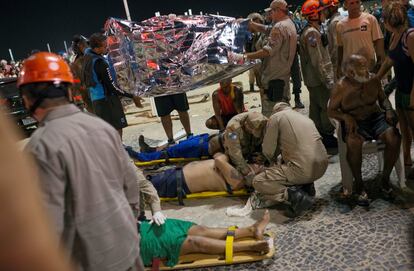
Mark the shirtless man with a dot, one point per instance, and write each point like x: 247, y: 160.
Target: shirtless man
x: 359, y: 101
x: 199, y: 176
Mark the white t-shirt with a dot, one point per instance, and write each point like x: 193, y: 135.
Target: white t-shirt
x: 357, y: 36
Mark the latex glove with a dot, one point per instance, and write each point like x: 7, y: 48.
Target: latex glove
x: 158, y: 218
x: 235, y: 58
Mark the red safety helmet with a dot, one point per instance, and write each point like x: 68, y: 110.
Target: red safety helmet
x: 44, y: 67
x: 311, y: 7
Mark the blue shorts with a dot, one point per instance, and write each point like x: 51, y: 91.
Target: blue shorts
x: 166, y: 182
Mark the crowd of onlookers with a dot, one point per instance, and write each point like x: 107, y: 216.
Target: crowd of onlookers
x: 9, y: 69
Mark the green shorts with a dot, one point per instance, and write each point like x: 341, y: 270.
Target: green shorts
x: 402, y: 100
x: 163, y: 241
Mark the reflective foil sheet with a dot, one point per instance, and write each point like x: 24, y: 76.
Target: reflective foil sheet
x: 174, y: 54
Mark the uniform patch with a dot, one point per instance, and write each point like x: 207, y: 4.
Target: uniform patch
x: 312, y: 41
x: 232, y: 136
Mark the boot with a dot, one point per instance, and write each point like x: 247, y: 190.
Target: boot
x: 331, y: 143
x: 309, y: 189
x: 144, y: 147
x: 298, y: 103
x: 251, y: 87
x: 299, y: 201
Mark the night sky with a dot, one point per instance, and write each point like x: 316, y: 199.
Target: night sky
x: 30, y: 24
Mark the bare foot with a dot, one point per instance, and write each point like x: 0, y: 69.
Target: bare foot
x: 260, y: 246
x: 260, y: 226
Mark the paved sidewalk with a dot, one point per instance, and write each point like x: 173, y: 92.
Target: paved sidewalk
x: 330, y: 237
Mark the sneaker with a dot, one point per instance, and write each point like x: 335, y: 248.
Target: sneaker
x: 299, y: 201
x: 171, y: 142
x: 144, y: 147
x: 299, y: 104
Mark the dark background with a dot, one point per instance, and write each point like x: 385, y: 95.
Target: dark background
x: 30, y: 24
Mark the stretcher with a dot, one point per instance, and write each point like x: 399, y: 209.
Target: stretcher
x: 199, y: 260
x: 211, y: 194
x: 168, y: 161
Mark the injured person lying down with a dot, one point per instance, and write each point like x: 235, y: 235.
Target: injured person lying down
x: 194, y: 147
x: 177, y: 237
x: 200, y: 176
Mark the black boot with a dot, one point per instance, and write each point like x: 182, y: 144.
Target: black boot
x: 298, y: 103
x: 251, y: 87
x: 299, y: 201
x: 309, y: 188
x: 144, y: 146
x: 331, y: 143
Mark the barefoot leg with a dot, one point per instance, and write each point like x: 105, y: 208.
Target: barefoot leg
x: 256, y: 230
x: 201, y: 244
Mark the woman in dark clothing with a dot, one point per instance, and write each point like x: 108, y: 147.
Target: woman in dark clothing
x: 401, y: 57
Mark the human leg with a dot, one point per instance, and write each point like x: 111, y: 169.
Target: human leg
x: 392, y: 141
x: 256, y: 230
x: 354, y: 158
x: 251, y: 79
x: 167, y: 125
x: 314, y: 112
x: 212, y: 123
x: 406, y: 136
x: 296, y: 81
x: 185, y: 121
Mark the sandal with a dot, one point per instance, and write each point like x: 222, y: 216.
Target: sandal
x: 362, y: 199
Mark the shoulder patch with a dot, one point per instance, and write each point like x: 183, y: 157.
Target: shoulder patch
x: 312, y: 40
x: 233, y: 136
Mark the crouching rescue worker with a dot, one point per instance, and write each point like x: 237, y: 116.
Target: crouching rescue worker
x: 88, y: 181
x: 242, y: 141
x: 304, y: 160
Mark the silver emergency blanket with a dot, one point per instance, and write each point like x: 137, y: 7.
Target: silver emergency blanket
x: 174, y: 54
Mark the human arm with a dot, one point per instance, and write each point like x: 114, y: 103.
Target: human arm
x: 340, y: 50
x: 410, y: 45
x: 233, y: 177
x: 385, y: 67
x: 319, y: 57
x: 385, y: 104
x: 379, y: 52
x: 270, y: 139
x: 104, y: 75
x: 334, y: 109
x: 217, y: 110
x: 256, y: 27
x: 148, y: 192
x: 233, y: 146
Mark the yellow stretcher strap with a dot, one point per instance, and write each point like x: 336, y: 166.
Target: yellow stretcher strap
x: 211, y: 194
x: 231, y: 232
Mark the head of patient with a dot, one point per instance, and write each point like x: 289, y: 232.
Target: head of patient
x: 356, y: 68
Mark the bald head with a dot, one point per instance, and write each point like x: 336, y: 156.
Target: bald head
x: 356, y: 67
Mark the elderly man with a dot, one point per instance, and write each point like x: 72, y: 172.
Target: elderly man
x: 242, y: 141
x: 359, y: 33
x: 278, y: 55
x: 88, y: 181
x: 359, y: 102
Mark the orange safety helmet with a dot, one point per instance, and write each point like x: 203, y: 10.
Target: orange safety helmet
x: 311, y: 7
x: 44, y: 67
x: 329, y: 3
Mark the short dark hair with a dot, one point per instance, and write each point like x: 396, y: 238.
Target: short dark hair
x: 95, y: 41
